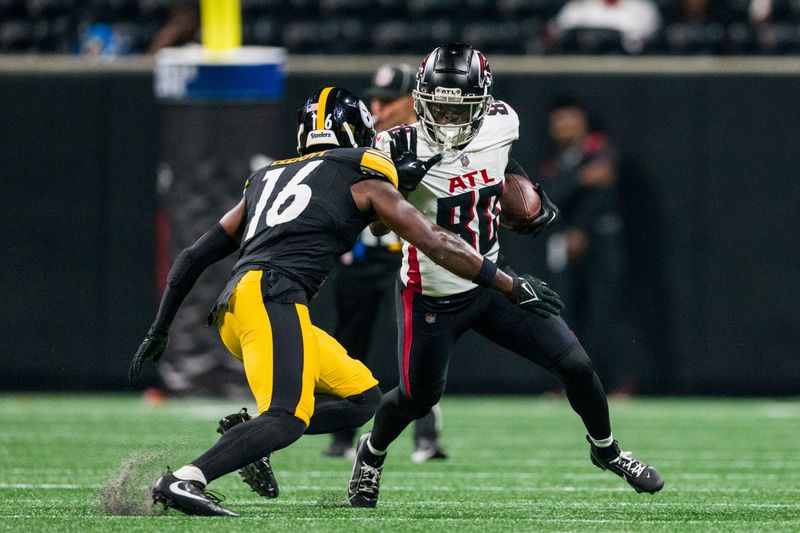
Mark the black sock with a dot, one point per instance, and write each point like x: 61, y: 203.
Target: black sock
x: 332, y: 413
x: 393, y: 416
x: 248, y: 442
x: 608, y: 452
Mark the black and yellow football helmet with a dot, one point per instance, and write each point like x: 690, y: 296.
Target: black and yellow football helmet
x: 333, y: 117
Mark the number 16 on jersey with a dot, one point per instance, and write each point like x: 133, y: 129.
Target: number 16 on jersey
x: 291, y: 198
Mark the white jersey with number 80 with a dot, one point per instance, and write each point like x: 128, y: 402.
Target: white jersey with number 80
x: 460, y: 193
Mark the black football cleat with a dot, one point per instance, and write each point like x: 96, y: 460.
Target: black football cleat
x: 258, y: 475
x: 187, y: 497
x: 365, y: 480
x: 260, y: 478
x: 639, y: 475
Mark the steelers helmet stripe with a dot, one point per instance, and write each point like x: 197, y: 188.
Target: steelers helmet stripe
x: 330, y: 117
x: 380, y: 154
x: 375, y: 164
x: 323, y: 101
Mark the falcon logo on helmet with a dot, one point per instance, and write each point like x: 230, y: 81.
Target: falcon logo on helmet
x: 333, y: 117
x: 453, y: 94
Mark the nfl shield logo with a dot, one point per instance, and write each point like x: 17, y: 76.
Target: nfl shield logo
x: 430, y: 318
x: 384, y: 76
x: 464, y: 160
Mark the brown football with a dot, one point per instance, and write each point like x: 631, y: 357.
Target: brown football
x: 520, y: 203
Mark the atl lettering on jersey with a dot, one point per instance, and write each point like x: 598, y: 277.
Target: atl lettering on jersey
x: 461, y: 193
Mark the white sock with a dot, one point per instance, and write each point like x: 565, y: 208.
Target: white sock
x: 190, y: 473
x: 373, y: 450
x: 603, y: 443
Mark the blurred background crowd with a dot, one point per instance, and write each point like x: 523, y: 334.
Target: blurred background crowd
x: 676, y: 178
x: 537, y: 27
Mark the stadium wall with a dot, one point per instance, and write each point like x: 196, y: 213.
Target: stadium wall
x: 711, y: 200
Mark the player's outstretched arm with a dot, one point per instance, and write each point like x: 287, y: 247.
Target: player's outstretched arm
x: 217, y: 243
x: 410, y: 169
x: 442, y: 246
x: 449, y: 250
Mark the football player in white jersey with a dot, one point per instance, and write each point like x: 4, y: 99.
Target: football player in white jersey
x: 452, y: 165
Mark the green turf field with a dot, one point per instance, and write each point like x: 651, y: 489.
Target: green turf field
x: 518, y: 464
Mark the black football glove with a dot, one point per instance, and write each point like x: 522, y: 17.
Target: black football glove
x: 534, y: 296
x: 403, y: 147
x: 550, y: 214
x: 152, y: 347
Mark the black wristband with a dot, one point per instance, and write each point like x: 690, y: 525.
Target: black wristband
x: 486, y: 274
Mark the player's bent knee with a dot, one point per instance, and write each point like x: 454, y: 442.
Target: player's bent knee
x: 422, y: 404
x: 425, y: 392
x: 280, y: 417
x: 422, y: 410
x: 365, y: 404
x: 416, y: 406
x: 575, y: 364
x: 372, y: 399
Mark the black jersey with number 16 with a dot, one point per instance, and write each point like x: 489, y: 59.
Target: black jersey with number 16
x: 301, y: 215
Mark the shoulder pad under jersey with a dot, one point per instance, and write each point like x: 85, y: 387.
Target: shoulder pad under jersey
x: 500, y: 127
x: 370, y: 161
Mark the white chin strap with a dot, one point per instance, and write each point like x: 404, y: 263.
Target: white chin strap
x: 451, y: 136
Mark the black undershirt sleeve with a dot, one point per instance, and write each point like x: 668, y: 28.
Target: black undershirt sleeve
x: 515, y: 168
x: 213, y: 246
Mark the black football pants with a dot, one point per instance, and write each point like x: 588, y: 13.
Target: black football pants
x: 428, y: 330
x: 361, y: 289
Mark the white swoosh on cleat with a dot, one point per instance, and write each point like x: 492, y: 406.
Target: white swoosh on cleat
x: 176, y: 488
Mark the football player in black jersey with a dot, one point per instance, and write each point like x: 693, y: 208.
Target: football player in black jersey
x: 297, y: 216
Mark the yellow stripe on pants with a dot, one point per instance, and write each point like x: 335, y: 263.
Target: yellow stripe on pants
x: 247, y: 331
x: 250, y: 334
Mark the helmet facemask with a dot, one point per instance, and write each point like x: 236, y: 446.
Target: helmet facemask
x: 448, y: 118
x: 453, y: 94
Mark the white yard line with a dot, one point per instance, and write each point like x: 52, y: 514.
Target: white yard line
x: 46, y: 486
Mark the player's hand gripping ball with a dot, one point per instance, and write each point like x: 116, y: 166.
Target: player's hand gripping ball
x: 520, y: 203
x: 525, y: 208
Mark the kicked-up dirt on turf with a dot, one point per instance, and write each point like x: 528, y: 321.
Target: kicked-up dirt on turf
x: 127, y: 491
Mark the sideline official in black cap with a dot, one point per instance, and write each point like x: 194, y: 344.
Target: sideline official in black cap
x: 390, y: 96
